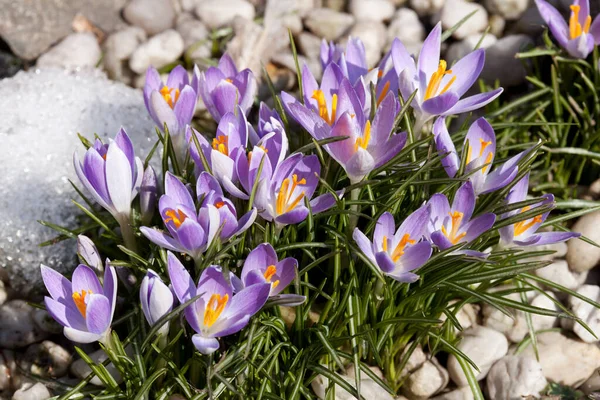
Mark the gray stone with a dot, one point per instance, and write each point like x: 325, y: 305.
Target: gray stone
x: 582, y: 256
x: 530, y: 23
x: 589, y: 314
x: 328, y: 24
x: 462, y: 393
x: 46, y: 359
x: 509, y: 70
x: 560, y: 273
x: 309, y: 45
x: 218, y: 13
x: 3, y: 293
x: 565, y: 361
x: 196, y: 38
x: 372, y: 10
x: 455, y: 10
x: 17, y: 328
x: 426, y: 381
x: 31, y: 391
x: 369, y: 389
x: 514, y: 378
x: 45, y: 322
x: 458, y: 50
x: 497, y: 24
x: 415, y: 361
x: 78, y: 50
x: 373, y: 35
x: 509, y: 9
x: 153, y: 16
x: 31, y: 27
x: 118, y: 47
x: 42, y: 134
x: 160, y: 50
x: 484, y: 347
x: 407, y: 27
x: 592, y: 384
x: 293, y: 22
x: 426, y: 7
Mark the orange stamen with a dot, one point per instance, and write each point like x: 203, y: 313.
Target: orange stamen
x: 363, y: 141
x: 214, y: 308
x: 575, y: 28
x: 79, y: 299
x: 319, y: 96
x: 219, y: 204
x: 436, y: 79
x: 176, y: 216
x: 169, y: 98
x: 399, y: 250
x: 522, y: 226
x: 384, y: 91
x: 454, y: 237
x: 220, y: 143
x: 284, y: 196
x: 269, y: 273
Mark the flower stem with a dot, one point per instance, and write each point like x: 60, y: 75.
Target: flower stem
x: 354, y: 195
x: 127, y: 233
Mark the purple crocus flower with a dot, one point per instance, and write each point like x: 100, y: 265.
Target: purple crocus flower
x: 263, y: 266
x: 231, y: 140
x: 451, y: 225
x: 352, y: 61
x: 524, y: 233
x: 397, y: 252
x: 439, y: 89
x: 294, y: 180
x: 218, y: 312
x: 82, y: 306
x: 480, y: 145
x: 369, y: 145
x: 223, y: 88
x: 148, y: 195
x: 173, y: 103
x: 580, y: 35
x: 190, y: 232
x: 156, y: 299
x: 112, y: 174
x: 88, y: 253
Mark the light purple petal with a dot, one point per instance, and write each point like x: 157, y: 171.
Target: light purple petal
x: 84, y: 278
x: 57, y: 285
x: 119, y: 179
x: 440, y: 240
x: 246, y: 221
x: 384, y: 228
x: 227, y: 66
x: 64, y: 314
x: 287, y: 270
x: 161, y: 239
x: 542, y: 238
x: 98, y: 314
x: 445, y: 147
x: 440, y: 208
x: 363, y: 243
x: 182, y: 282
x: 415, y: 224
x: 474, y: 102
x: 294, y: 216
x: 580, y: 47
x: 322, y: 203
x: 478, y: 226
x: 429, y: 58
x: 259, y: 258
x: 414, y: 257
x: 164, y: 113
x: 93, y: 176
x: 110, y: 286
x: 79, y: 336
x: 191, y: 236
x: 464, y: 201
x: 185, y: 107
x: 467, y: 70
x: 178, y: 77
x: 205, y: 345
x: 595, y: 30
x: 439, y: 105
x: 554, y: 20
x: 247, y: 301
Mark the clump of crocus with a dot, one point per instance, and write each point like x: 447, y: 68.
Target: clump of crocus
x: 579, y: 36
x: 263, y: 266
x: 173, y: 103
x: 156, y: 299
x: 525, y: 233
x: 452, y: 225
x: 83, y: 306
x: 189, y: 231
x: 223, y: 88
x: 480, y: 147
x: 112, y: 174
x: 398, y: 252
x: 440, y: 89
x: 218, y: 311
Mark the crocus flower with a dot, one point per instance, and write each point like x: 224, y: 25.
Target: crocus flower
x: 82, y: 306
x: 439, y: 89
x: 231, y: 139
x: 397, y: 252
x: 88, y: 253
x: 148, y: 195
x: 156, y: 299
x: 294, y: 180
x: 263, y: 266
x: 580, y: 35
x: 217, y: 312
x: 449, y: 226
x: 173, y: 103
x: 480, y: 145
x: 223, y: 88
x: 368, y: 145
x: 112, y: 174
x: 190, y: 232
x: 352, y: 61
x: 524, y: 233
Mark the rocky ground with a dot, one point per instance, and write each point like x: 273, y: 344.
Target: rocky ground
x: 60, y: 42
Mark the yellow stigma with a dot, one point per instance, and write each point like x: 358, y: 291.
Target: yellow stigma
x: 284, y: 196
x: 229, y: 80
x: 454, y: 237
x: 176, y: 216
x: 269, y: 273
x: 399, y: 250
x: 363, y: 141
x: 575, y: 29
x: 214, y: 308
x: 522, y: 226
x: 79, y: 299
x: 166, y: 93
x: 220, y: 144
x: 482, y: 148
x: 436, y: 80
x: 319, y: 96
